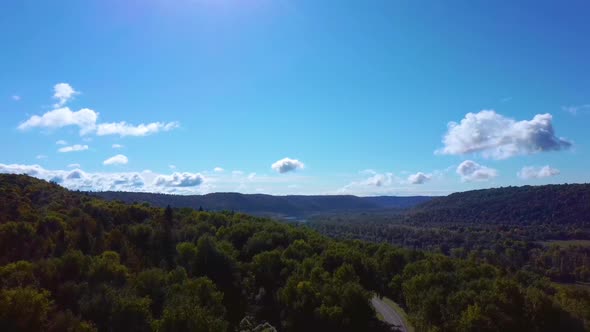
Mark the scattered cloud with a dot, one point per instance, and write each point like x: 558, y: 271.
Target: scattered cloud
x: 287, y: 165
x: 16, y: 98
x: 172, y: 166
x: 116, y: 160
x: 124, y: 129
x: 74, y: 166
x: 531, y: 172
x: 77, y: 179
x: 85, y: 119
x: 73, y: 148
x: 237, y: 173
x: 472, y: 171
x: 41, y: 156
x: 419, y: 178
x: 179, y: 180
x: 218, y: 169
x: 63, y: 92
x: 61, y: 142
x: 577, y: 109
x: 117, y: 146
x: 251, y: 176
x: 498, y: 137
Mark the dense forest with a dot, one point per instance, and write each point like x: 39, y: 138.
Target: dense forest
x: 544, y: 229
x: 558, y: 204
x: 73, y: 262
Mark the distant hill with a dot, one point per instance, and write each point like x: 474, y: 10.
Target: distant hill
x: 566, y: 203
x: 259, y: 204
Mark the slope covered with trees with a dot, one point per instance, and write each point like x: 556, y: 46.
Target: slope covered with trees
x: 72, y: 262
x: 260, y: 204
x: 559, y: 204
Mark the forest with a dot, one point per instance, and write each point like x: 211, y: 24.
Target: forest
x: 70, y: 261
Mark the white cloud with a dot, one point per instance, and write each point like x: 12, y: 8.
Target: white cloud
x: 179, y: 180
x: 237, y: 173
x: 116, y: 160
x: 63, y: 92
x: 117, y: 146
x: 77, y: 179
x: 218, y: 169
x: 287, y: 165
x: 41, y: 156
x: 498, y: 137
x: 73, y: 148
x: 124, y: 129
x: 74, y: 166
x: 419, y: 178
x: 472, y: 171
x: 251, y: 176
x: 16, y: 98
x: 61, y: 142
x: 85, y: 119
x: 531, y: 172
x: 172, y: 166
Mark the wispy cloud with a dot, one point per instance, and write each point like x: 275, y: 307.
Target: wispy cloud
x: 73, y: 148
x: 116, y: 160
x: 532, y: 172
x: 577, y: 109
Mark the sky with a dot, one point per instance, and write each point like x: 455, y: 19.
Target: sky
x: 295, y: 97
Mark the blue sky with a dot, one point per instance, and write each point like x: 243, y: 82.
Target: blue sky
x: 354, y: 97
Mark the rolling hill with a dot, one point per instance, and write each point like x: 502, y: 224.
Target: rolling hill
x: 565, y: 204
x: 296, y: 206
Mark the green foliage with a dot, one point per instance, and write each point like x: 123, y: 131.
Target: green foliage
x: 72, y: 262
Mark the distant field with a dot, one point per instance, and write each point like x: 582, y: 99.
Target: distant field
x: 567, y: 243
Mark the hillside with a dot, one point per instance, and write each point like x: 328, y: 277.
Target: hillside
x: 259, y: 204
x: 72, y: 262
x: 559, y: 204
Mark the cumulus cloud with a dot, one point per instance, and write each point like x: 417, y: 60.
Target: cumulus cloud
x: 73, y: 148
x: 498, y: 137
x: 124, y: 129
x: 419, y: 178
x: 63, y: 92
x: 472, y: 171
x: 61, y: 142
x: 116, y: 160
x: 287, y: 165
x: 218, y: 169
x: 531, y: 172
x: 85, y: 119
x: 179, y: 180
x: 117, y: 146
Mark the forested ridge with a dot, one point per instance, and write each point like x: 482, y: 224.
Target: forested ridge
x: 73, y: 262
x: 261, y: 204
x: 559, y: 204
